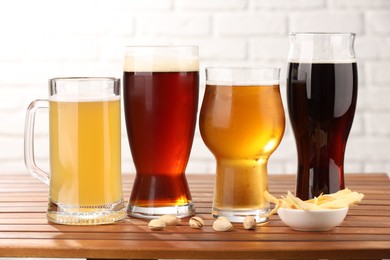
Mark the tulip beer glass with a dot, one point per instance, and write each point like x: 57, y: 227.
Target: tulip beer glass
x: 160, y: 100
x: 321, y: 93
x: 85, y: 150
x: 241, y: 122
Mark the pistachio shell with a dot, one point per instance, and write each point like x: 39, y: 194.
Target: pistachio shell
x: 222, y: 225
x: 170, y: 220
x: 156, y: 224
x: 196, y: 222
x: 249, y: 222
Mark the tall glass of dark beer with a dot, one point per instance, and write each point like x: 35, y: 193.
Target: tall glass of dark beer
x: 322, y: 83
x: 161, y: 88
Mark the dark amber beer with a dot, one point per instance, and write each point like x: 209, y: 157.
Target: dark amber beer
x: 160, y: 102
x: 321, y: 95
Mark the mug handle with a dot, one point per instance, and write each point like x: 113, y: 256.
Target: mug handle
x: 29, y: 158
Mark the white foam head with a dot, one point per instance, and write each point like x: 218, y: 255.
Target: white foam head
x: 242, y: 76
x: 161, y: 59
x: 83, y: 98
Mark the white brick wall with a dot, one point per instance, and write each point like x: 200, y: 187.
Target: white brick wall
x: 43, y: 39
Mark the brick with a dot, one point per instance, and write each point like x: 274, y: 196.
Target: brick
x: 325, y: 21
x: 352, y: 166
x: 14, y: 147
x: 373, y: 99
x: 199, y: 149
x: 361, y: 4
x: 14, y: 123
x: 12, y: 49
x: 250, y: 24
x: 378, y: 123
x: 173, y: 25
x: 378, y: 22
x: 382, y: 166
x: 378, y: 72
x: 10, y: 99
x: 97, y: 69
x: 195, y: 166
x: 144, y: 4
x: 11, y: 25
x: 69, y: 5
x: 288, y: 4
x: 83, y: 23
x: 13, y: 166
x: 286, y: 150
x: 112, y: 50
x: 368, y: 149
x: 206, y: 5
x: 270, y: 48
x: 361, y: 73
x: 275, y: 167
x: 73, y: 49
x: 132, y: 5
x: 385, y: 47
x: 368, y: 47
x: 227, y: 48
x: 358, y: 125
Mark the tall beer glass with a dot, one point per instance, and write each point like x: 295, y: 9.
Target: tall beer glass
x: 161, y: 86
x: 241, y: 122
x: 322, y: 85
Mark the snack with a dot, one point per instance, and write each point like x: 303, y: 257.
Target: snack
x: 341, y: 199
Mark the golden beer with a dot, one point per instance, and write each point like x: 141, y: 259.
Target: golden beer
x: 85, y: 152
x: 241, y: 125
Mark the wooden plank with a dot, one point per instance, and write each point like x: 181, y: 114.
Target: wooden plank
x: 25, y: 232
x: 123, y: 249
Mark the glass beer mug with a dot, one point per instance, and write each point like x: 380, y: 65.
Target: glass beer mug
x: 85, y: 150
x: 322, y: 86
x: 242, y: 123
x: 161, y: 85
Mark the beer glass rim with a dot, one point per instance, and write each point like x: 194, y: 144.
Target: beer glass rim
x: 83, y: 88
x: 160, y: 46
x: 351, y: 34
x: 241, y: 68
x: 83, y: 78
x: 245, y: 76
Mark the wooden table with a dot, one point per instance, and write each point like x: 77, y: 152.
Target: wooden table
x: 24, y: 231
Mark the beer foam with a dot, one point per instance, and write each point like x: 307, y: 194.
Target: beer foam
x: 330, y: 61
x: 242, y: 83
x: 164, y: 63
x: 83, y: 98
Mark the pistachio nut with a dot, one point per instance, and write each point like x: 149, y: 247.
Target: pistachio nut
x: 249, y: 222
x: 156, y: 224
x: 222, y: 225
x: 196, y: 222
x: 170, y: 220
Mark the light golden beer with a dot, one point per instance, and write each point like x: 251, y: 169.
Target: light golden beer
x: 242, y: 126
x: 85, y: 152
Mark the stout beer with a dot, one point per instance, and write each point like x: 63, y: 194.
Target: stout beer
x: 321, y: 102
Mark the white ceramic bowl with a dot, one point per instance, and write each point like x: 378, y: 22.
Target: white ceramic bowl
x: 312, y: 220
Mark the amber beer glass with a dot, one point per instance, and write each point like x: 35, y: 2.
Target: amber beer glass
x: 161, y: 86
x: 322, y: 85
x: 85, y: 150
x: 241, y: 122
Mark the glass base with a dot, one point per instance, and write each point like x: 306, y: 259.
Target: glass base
x: 181, y: 211
x: 237, y: 216
x: 104, y: 214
